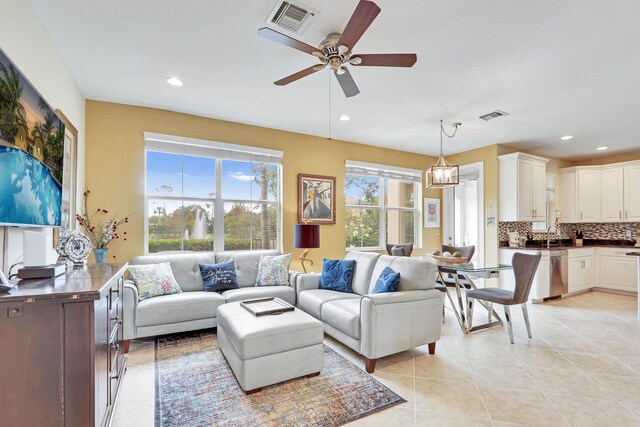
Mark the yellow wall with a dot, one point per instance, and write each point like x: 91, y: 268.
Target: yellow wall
x: 115, y: 168
x: 605, y: 160
x: 489, y: 156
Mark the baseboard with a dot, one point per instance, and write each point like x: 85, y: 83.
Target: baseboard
x: 615, y: 291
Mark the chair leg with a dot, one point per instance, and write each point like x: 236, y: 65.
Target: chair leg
x: 507, y: 314
x: 369, y: 365
x: 443, y: 309
x: 489, y: 311
x: 470, y: 302
x: 525, y: 313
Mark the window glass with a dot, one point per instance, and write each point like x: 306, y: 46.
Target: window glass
x: 265, y: 183
x: 164, y: 174
x: 165, y: 225
x: 399, y: 194
x: 400, y: 226
x: 199, y: 177
x: 362, y: 227
x: 362, y: 190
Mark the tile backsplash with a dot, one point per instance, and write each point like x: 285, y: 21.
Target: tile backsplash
x: 598, y: 230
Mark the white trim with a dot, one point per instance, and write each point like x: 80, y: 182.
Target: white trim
x: 371, y: 169
x: 220, y: 150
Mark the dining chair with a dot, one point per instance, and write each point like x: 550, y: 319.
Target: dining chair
x: 525, y: 267
x: 449, y: 280
x: 400, y: 250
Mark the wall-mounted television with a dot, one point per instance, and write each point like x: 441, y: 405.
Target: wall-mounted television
x: 32, y: 139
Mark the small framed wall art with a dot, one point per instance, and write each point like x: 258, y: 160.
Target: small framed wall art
x: 316, y: 199
x: 431, y: 213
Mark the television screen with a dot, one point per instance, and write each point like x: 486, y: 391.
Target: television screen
x: 31, y: 153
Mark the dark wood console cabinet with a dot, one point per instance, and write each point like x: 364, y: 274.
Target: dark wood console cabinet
x: 61, y: 354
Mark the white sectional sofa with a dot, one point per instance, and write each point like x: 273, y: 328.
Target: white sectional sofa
x: 194, y: 308
x: 377, y: 325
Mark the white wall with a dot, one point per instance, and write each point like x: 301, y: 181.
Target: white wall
x: 25, y: 41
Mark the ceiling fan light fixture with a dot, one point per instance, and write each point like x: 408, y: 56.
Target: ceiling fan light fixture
x: 355, y: 60
x: 340, y: 71
x: 342, y: 49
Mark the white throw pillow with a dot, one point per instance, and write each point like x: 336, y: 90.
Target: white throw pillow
x: 273, y: 270
x: 153, y: 280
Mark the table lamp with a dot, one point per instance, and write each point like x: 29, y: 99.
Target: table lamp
x: 306, y: 236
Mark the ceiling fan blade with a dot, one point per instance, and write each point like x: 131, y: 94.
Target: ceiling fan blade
x: 347, y: 84
x: 362, y: 17
x: 386, y: 60
x: 270, y: 34
x: 300, y: 74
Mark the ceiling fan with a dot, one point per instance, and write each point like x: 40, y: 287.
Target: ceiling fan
x: 335, y: 51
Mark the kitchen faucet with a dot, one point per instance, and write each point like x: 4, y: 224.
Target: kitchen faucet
x: 548, y: 235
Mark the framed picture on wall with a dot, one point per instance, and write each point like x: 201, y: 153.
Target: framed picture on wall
x: 431, y: 213
x: 316, y: 199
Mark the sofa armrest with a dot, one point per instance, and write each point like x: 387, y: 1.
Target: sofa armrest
x: 398, y: 321
x: 129, y: 306
x: 401, y: 296
x: 308, y: 281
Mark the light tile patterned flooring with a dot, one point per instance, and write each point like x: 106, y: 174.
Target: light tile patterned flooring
x: 582, y: 368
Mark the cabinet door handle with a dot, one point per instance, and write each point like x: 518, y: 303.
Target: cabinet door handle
x: 620, y: 214
x: 580, y: 215
x: 626, y: 214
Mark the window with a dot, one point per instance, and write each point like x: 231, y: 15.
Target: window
x: 550, y: 199
x: 204, y: 196
x: 381, y: 206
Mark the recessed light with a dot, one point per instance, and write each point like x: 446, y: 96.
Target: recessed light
x: 567, y: 137
x: 345, y: 118
x: 174, y: 81
x: 602, y: 148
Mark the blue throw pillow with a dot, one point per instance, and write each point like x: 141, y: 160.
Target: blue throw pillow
x: 219, y: 277
x: 387, y: 282
x: 337, y: 275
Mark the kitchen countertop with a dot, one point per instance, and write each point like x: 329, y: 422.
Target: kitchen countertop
x: 611, y: 245
x: 633, y: 253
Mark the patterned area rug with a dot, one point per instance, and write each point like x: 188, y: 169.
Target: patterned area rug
x: 196, y: 387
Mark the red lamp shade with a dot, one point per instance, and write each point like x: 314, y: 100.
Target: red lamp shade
x: 306, y: 236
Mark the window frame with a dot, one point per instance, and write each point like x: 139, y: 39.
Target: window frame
x: 218, y: 201
x: 382, y: 226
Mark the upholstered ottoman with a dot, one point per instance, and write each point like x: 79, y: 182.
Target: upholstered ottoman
x: 265, y: 350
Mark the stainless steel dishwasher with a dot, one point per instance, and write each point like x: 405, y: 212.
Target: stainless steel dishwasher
x: 558, y: 272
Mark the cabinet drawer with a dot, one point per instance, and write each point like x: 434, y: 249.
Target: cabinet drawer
x: 115, y: 291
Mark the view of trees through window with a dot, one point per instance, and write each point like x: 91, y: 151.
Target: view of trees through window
x: 183, y: 206
x: 378, y: 211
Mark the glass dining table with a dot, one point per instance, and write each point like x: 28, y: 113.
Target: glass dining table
x: 463, y: 275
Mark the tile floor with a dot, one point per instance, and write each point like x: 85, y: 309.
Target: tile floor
x: 582, y: 368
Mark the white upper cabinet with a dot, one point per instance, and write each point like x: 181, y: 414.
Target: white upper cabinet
x: 522, y: 187
x: 632, y: 193
x: 600, y: 193
x: 612, y: 194
x: 580, y: 198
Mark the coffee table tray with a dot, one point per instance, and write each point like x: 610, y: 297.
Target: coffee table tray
x: 266, y: 306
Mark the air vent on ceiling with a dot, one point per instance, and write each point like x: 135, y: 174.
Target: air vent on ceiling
x: 291, y: 16
x: 493, y: 115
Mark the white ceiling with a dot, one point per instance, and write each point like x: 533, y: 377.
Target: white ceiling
x: 557, y: 66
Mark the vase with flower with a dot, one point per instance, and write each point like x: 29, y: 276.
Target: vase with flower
x: 101, y: 229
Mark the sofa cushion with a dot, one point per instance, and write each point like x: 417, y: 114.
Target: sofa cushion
x: 344, y: 315
x: 312, y: 300
x: 273, y: 270
x: 153, y: 280
x: 286, y: 293
x: 246, y: 264
x: 254, y: 337
x: 185, y: 266
x: 176, y: 308
x: 388, y: 281
x: 337, y: 275
x: 415, y: 273
x: 219, y: 277
x: 365, y: 261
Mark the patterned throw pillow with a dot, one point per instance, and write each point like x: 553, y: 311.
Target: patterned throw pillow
x: 387, y: 282
x: 219, y: 277
x: 153, y: 280
x: 337, y: 275
x: 273, y: 270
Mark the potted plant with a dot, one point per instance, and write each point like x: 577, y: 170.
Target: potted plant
x: 100, y: 231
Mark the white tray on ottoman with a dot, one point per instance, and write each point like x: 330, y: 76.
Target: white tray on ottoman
x: 266, y: 350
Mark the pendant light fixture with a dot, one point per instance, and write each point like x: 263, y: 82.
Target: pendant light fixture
x: 443, y: 174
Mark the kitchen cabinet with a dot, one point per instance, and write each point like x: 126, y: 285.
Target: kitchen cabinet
x: 522, y: 187
x: 582, y: 272
x: 631, y: 194
x: 618, y: 271
x: 580, y: 194
x: 540, y: 284
x: 612, y: 194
